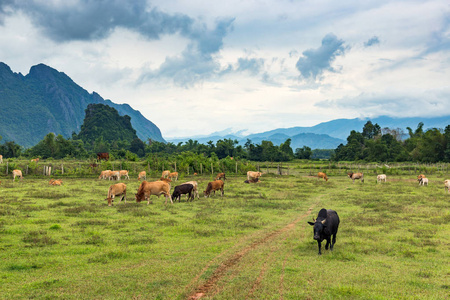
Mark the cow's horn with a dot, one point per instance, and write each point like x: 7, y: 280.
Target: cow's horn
x: 323, y: 222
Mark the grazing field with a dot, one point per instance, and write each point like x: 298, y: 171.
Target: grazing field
x: 64, y: 242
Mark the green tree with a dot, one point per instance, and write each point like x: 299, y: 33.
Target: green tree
x: 303, y: 153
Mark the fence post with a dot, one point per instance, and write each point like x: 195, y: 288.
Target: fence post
x: 201, y: 168
x: 212, y: 170
x: 175, y: 166
x: 7, y: 167
x: 62, y: 169
x: 27, y: 170
x: 236, y: 167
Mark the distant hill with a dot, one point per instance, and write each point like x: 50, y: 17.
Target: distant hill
x: 103, y: 120
x: 341, y: 128
x: 326, y: 135
x: 46, y: 100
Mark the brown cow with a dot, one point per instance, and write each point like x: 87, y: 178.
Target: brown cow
x: 1, y: 159
x: 35, y: 160
x: 17, y: 173
x: 213, y: 186
x: 220, y: 176
x: 355, y: 176
x: 114, y: 175
x: 124, y: 173
x: 165, y: 174
x: 157, y: 188
x: 174, y: 175
x: 253, y: 175
x: 102, y: 155
x: 322, y: 175
x: 420, y: 176
x: 55, y: 182
x: 118, y: 189
x: 104, y: 174
x: 142, y: 175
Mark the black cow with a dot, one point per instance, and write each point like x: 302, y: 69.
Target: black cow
x: 182, y: 189
x: 325, y: 226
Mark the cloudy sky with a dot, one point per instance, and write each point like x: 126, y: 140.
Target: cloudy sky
x: 198, y: 66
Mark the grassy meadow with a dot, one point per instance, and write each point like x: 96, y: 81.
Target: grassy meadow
x: 64, y: 242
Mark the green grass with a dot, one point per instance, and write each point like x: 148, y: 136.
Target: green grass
x: 64, y: 242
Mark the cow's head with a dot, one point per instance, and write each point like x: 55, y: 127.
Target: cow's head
x: 110, y: 201
x: 139, y: 197
x: 206, y: 194
x: 319, y: 226
x: 350, y: 174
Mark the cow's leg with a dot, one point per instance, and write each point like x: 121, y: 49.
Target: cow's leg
x: 333, y: 241
x: 320, y: 245
x: 327, y: 244
x: 222, y: 192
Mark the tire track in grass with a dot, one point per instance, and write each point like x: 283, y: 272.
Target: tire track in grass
x: 211, y: 284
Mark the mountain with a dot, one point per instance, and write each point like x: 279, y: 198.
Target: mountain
x: 46, y: 100
x: 341, y: 128
x: 326, y: 135
x: 105, y: 121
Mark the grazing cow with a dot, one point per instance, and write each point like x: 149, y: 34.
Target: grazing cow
x: 102, y: 155
x: 118, y: 189
x: 185, y: 188
x: 1, y: 159
x: 142, y: 175
x: 381, y: 177
x: 114, y: 175
x: 55, y: 182
x: 423, y: 181
x: 355, y: 176
x: 94, y: 165
x: 173, y: 175
x: 124, y: 173
x: 220, y: 176
x: 322, y: 175
x: 17, y: 173
x: 195, y: 190
x: 157, y: 188
x: 165, y: 174
x: 253, y: 175
x: 104, y: 174
x: 447, y: 185
x: 213, y: 186
x: 35, y: 160
x: 195, y: 174
x: 325, y: 226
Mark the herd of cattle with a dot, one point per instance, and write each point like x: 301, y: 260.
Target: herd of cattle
x: 163, y: 185
x: 325, y: 225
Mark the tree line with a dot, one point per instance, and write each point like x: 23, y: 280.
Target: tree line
x: 373, y: 144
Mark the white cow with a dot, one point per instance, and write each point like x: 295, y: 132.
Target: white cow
x: 381, y: 177
x: 447, y: 185
x: 17, y: 173
x: 423, y: 181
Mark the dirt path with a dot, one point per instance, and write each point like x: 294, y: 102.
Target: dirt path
x: 210, y: 286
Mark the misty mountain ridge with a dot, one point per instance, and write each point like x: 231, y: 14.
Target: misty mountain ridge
x: 325, y: 135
